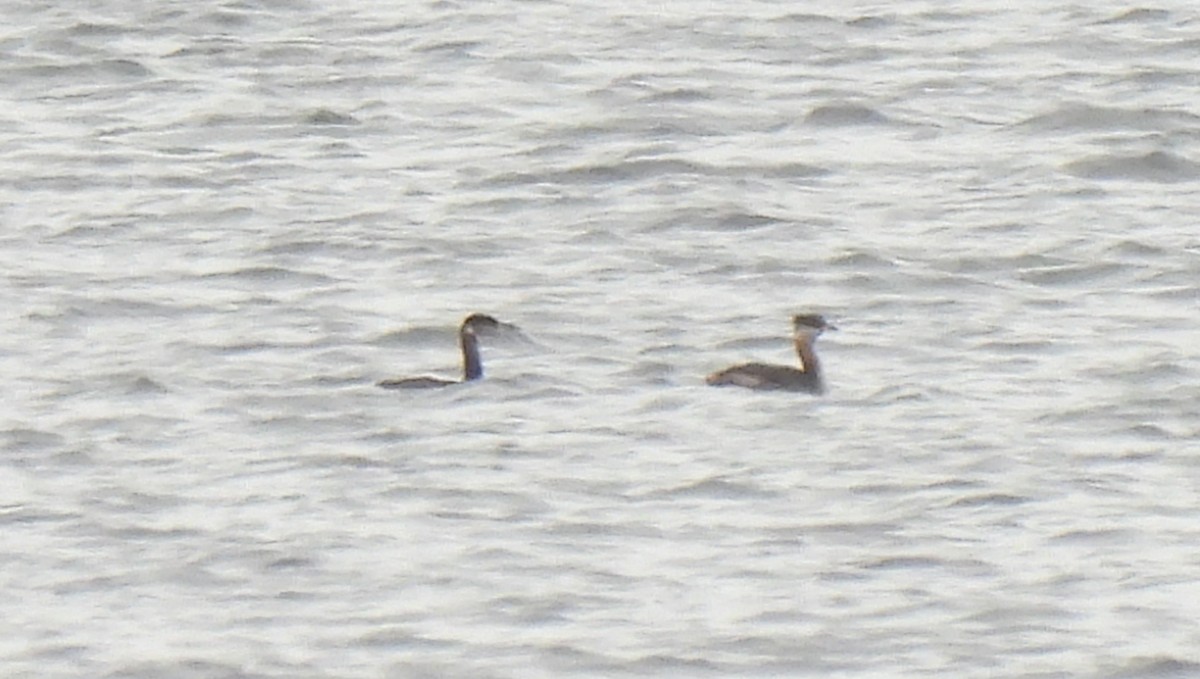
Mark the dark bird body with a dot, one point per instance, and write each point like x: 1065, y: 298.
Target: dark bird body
x: 807, y: 378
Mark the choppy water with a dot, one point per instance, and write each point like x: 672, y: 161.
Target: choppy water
x: 221, y: 224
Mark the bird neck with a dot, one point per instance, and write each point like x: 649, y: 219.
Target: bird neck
x: 809, y: 362
x: 472, y: 366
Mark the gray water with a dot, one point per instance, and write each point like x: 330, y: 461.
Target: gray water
x: 223, y: 223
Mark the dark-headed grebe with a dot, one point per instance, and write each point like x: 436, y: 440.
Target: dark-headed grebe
x: 805, y: 330
x: 472, y: 328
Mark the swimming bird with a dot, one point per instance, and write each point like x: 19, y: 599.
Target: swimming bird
x: 472, y: 328
x: 805, y: 330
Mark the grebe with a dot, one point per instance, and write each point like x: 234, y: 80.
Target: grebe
x: 469, y: 332
x: 805, y: 330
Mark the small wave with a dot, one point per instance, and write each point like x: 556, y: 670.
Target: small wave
x: 732, y: 220
x: 270, y: 274
x: 1157, y: 667
x: 808, y: 18
x: 901, y: 394
x: 1077, y: 117
x: 598, y: 174
x: 1175, y: 293
x: 681, y: 94
x: 30, y: 439
x: 845, y: 115
x: 904, y: 563
x: 401, y: 638
x: 111, y: 71
x: 252, y: 347
x: 324, y: 116
x: 1157, y: 166
x: 1072, y: 274
x: 752, y: 344
x: 671, y: 665
x: 141, y: 384
x: 639, y: 169
x: 1100, y: 536
x: 317, y: 247
x: 859, y: 260
x: 110, y: 307
x: 1130, y: 248
x: 663, y: 403
x: 124, y: 68
x: 782, y: 171
x: 920, y: 562
x: 87, y: 29
x: 872, y: 21
x: 1138, y: 15
x: 289, y: 563
x: 450, y: 47
x: 1018, y: 347
x: 1153, y: 432
x: 990, y: 499
x: 715, y: 487
x: 417, y: 335
x: 1165, y: 370
x: 543, y: 394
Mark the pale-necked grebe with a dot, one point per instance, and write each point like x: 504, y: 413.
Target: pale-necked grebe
x: 469, y: 332
x: 805, y: 330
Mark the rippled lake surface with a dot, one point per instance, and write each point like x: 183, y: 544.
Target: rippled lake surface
x: 223, y: 223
